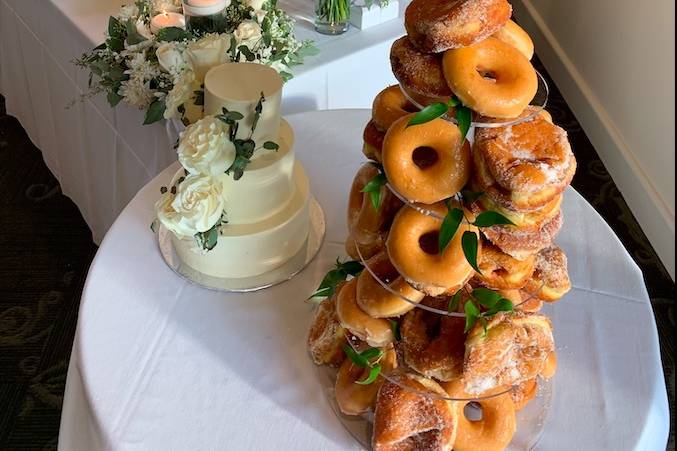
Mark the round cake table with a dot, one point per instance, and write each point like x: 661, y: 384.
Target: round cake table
x: 159, y: 363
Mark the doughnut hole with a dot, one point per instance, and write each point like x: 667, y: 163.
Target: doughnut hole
x: 425, y: 157
x: 429, y: 242
x: 473, y: 411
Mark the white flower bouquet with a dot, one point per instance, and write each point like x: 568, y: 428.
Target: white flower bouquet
x: 163, y: 72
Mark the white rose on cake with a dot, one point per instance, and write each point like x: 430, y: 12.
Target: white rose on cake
x: 196, y: 207
x: 210, y: 51
x: 248, y: 31
x: 204, y: 148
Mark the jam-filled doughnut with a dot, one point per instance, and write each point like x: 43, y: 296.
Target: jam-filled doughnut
x: 513, y: 349
x: 523, y: 166
x: 494, y: 431
x: 390, y: 105
x: 513, y: 34
x: 550, y: 279
x: 426, y: 163
x: 418, y: 72
x: 491, y: 77
x: 368, y: 226
x: 413, y: 249
x: 373, y: 142
x: 377, y: 301
x: 437, y: 25
x: 356, y: 399
x: 500, y: 271
x: 327, y: 337
x: 406, y: 419
x: 376, y: 332
x: 433, y: 344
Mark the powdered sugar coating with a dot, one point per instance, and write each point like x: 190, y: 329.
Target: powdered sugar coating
x: 418, y: 72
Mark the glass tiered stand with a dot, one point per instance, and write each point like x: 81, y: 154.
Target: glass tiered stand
x: 532, y: 418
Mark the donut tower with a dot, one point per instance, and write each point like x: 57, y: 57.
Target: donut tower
x: 451, y: 226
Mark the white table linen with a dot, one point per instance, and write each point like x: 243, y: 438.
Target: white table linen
x: 103, y: 156
x: 159, y: 363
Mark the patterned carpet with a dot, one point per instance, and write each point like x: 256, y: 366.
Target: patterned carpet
x: 46, y: 250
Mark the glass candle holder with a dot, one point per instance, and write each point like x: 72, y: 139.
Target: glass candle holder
x: 332, y: 16
x: 205, y: 16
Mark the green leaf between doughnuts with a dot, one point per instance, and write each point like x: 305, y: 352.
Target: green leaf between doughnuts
x: 429, y: 113
x: 491, y: 218
x: 373, y: 375
x: 449, y: 227
x: 469, y: 245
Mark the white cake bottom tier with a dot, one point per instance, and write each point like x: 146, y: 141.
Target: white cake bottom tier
x: 247, y: 250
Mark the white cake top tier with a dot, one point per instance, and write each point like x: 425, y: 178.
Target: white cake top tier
x: 238, y: 87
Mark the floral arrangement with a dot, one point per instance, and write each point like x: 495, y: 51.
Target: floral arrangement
x: 163, y: 72
x: 208, y: 150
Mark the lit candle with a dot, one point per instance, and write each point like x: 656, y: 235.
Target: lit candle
x: 204, y: 7
x: 166, y: 20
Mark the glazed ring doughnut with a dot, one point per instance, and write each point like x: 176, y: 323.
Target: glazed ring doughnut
x: 404, y: 419
x: 366, y: 225
x: 523, y: 393
x: 514, y: 35
x: 426, y: 163
x: 390, y: 105
x: 418, y: 72
x: 327, y: 337
x: 550, y: 279
x: 512, y: 84
x: 524, y: 166
x: 523, y: 242
x: 373, y: 142
x: 376, y: 332
x: 356, y: 399
x: 496, y: 428
x: 413, y: 250
x: 513, y: 349
x: 438, y: 25
x: 433, y: 344
x: 500, y: 271
x: 378, y: 302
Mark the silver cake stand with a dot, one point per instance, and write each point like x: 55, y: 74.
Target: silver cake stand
x: 249, y: 284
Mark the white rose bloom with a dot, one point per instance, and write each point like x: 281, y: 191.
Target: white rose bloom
x: 143, y: 29
x: 171, y: 58
x: 256, y: 5
x: 247, y: 32
x: 208, y: 52
x: 197, y: 206
x: 128, y: 12
x: 181, y: 93
x: 204, y: 148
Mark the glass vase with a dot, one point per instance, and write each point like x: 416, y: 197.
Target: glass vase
x: 332, y: 16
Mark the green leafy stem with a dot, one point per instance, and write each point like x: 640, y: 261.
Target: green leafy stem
x: 436, y: 110
x: 333, y: 278
x: 491, y: 300
x: 369, y: 358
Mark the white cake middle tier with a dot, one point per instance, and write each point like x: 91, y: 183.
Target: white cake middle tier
x: 267, y: 185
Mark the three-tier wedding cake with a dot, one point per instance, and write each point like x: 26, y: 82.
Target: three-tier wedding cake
x: 239, y: 206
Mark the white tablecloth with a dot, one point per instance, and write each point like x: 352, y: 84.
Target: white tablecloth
x: 101, y: 156
x: 159, y: 363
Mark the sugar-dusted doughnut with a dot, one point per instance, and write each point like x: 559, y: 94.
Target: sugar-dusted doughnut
x: 494, y: 431
x: 418, y: 72
x: 523, y: 166
x: 491, y: 77
x: 377, y: 301
x: 373, y: 142
x: 433, y: 344
x: 513, y: 34
x: 437, y: 25
x: 376, y: 332
x: 406, y: 418
x: 550, y: 367
x: 426, y: 163
x: 513, y: 349
x: 500, y: 271
x: 390, y: 105
x: 413, y: 248
x: 550, y: 279
x: 523, y: 393
x: 367, y: 225
x: 356, y: 399
x: 327, y: 337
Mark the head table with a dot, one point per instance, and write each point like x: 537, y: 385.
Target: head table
x: 103, y: 156
x: 159, y: 363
